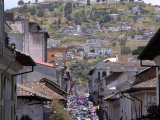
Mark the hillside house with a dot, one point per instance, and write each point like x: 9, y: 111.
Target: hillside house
x: 156, y: 8
x: 146, y: 37
x: 139, y: 29
x: 69, y: 55
x: 157, y: 16
x: 135, y: 9
x: 97, y: 26
x: 146, y: 32
x: 91, y: 54
x: 44, y: 4
x: 125, y: 38
x: 138, y: 3
x: 121, y: 12
x: 126, y: 28
x: 114, y: 28
x: 151, y: 30
x: 140, y: 20
x: 129, y: 11
x: 114, y: 16
x: 137, y: 37
x: 86, y: 47
x: 102, y: 51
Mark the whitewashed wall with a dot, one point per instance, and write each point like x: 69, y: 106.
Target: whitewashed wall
x: 34, y: 111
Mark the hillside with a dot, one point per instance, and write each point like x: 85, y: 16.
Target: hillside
x: 60, y: 14
x: 80, y: 15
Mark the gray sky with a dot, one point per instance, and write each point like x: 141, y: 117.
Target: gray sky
x: 13, y: 3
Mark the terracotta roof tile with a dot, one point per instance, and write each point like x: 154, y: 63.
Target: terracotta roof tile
x: 23, y: 90
x: 54, y: 84
x: 124, y: 57
x: 149, y: 83
x: 43, y: 89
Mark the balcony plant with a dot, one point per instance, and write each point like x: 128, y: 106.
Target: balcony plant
x: 26, y: 117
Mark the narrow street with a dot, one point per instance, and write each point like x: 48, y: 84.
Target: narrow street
x: 81, y: 108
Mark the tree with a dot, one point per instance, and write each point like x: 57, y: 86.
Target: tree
x: 29, y: 2
x: 55, y: 22
x: 51, y: 7
x: 103, y: 1
x: 138, y: 50
x: 77, y: 3
x: 58, y: 112
x: 98, y: 1
x: 74, y: 5
x: 21, y: 2
x: 59, y: 21
x: 126, y: 50
x: 114, y: 44
x: 40, y: 12
x: 36, y: 1
x: 33, y: 10
x: 88, y: 2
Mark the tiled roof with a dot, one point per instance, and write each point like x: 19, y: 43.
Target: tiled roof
x: 149, y: 83
x: 26, y: 91
x: 111, y: 78
x: 129, y: 64
x: 124, y: 57
x: 54, y: 84
x: 46, y: 64
x: 43, y: 89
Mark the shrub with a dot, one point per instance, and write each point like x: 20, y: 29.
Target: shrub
x: 26, y: 117
x: 58, y: 112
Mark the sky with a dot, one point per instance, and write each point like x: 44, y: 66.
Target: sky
x: 8, y: 4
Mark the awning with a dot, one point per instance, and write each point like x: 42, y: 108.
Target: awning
x: 24, y: 59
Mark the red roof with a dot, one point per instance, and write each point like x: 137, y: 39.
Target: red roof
x: 46, y: 64
x: 148, y: 83
x: 124, y: 57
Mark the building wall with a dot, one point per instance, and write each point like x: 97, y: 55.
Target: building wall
x: 52, y: 51
x: 16, y: 39
x: 146, y: 75
x: 35, y: 111
x: 40, y: 71
x: 35, y: 43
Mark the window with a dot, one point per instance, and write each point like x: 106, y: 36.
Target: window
x: 13, y: 46
x: 104, y: 74
x: 98, y: 75
x: 52, y: 55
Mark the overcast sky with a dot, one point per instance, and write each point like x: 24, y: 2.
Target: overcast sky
x: 13, y: 3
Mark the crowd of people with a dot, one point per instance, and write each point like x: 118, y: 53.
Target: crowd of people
x: 81, y: 108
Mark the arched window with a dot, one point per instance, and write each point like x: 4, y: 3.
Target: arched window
x: 13, y: 46
x: 98, y: 75
x: 104, y: 74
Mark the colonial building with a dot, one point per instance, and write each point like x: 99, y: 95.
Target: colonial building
x: 12, y: 62
x: 34, y: 41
